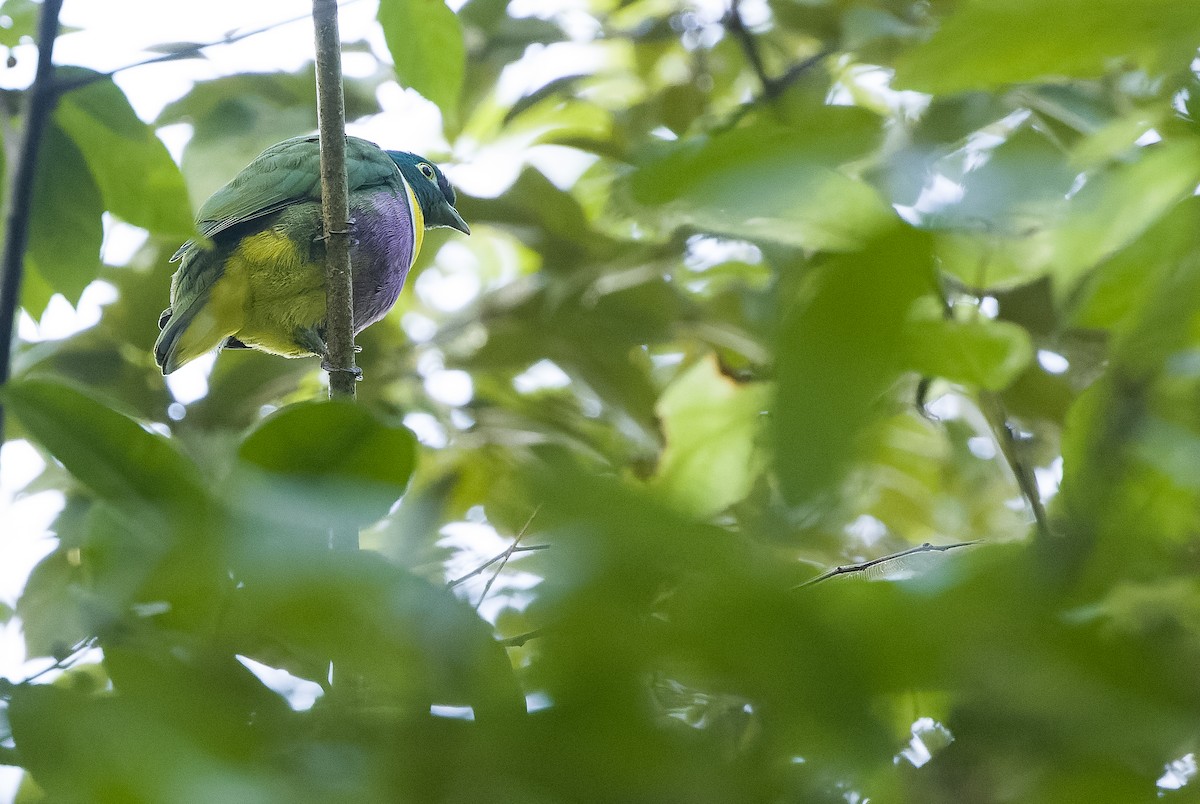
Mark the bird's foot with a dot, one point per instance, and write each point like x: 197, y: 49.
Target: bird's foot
x: 348, y: 230
x: 356, y: 371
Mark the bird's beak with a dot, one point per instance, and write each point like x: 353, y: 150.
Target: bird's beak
x: 456, y: 221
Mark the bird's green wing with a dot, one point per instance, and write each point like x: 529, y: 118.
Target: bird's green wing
x: 284, y: 174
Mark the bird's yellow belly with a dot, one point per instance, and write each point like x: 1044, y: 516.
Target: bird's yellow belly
x: 273, y: 289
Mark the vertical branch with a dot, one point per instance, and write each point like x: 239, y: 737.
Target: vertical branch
x: 335, y: 208
x: 20, y: 196
x: 331, y: 117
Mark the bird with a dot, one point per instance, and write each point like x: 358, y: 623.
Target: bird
x: 255, y: 278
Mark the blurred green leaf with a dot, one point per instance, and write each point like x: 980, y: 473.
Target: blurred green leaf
x: 329, y: 461
x: 138, y: 179
x: 839, y: 350
x: 980, y: 352
x: 713, y: 432
x: 989, y: 43
x: 426, y: 42
x: 51, y: 608
x: 772, y: 183
x: 110, y: 453
x: 65, y: 232
x: 414, y: 643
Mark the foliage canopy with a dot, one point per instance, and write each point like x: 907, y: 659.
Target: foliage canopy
x: 771, y: 289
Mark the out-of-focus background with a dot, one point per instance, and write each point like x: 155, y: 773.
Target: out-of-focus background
x: 753, y: 291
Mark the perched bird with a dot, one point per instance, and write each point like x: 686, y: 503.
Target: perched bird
x: 257, y: 279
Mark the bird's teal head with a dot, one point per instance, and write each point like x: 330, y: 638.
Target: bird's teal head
x: 434, y: 193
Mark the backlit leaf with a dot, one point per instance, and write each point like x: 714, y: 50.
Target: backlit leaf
x: 426, y: 42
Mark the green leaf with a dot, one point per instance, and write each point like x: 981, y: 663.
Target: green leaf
x: 413, y: 641
x: 65, y: 230
x: 235, y: 117
x: 23, y: 17
x: 1113, y: 209
x: 1068, y: 237
x: 110, y: 453
x: 52, y: 613
x: 713, y: 452
x: 990, y: 43
x: 137, y: 177
x: 329, y: 461
x: 426, y: 42
x: 768, y: 182
x: 981, y: 352
x: 838, y: 352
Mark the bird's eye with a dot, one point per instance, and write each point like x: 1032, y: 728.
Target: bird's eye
x: 426, y: 169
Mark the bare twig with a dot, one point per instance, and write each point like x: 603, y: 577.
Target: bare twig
x: 506, y: 556
x: 20, y: 198
x: 847, y: 569
x: 498, y: 557
x: 65, y: 662
x: 189, y: 51
x: 521, y: 639
x: 992, y: 407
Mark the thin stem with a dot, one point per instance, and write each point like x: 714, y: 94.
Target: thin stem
x: 994, y: 411
x: 335, y: 206
x: 992, y: 407
x: 335, y: 211
x: 20, y: 199
x: 66, y: 661
x: 188, y: 52
x: 505, y: 556
x: 847, y: 569
x: 521, y: 639
x: 498, y: 557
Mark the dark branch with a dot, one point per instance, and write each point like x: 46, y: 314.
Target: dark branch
x: 772, y: 87
x: 793, y: 73
x: 20, y: 199
x: 847, y: 569
x: 737, y: 26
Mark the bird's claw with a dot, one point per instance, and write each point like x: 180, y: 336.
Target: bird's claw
x: 348, y: 230
x: 356, y: 371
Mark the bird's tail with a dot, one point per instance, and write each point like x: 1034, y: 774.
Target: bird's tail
x: 192, y: 329
x: 166, y: 352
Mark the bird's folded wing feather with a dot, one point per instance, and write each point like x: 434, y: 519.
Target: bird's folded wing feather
x: 284, y: 174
